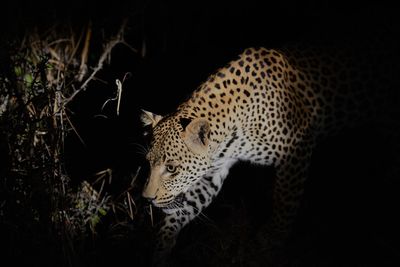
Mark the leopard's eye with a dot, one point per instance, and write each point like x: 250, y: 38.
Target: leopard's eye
x: 171, y: 168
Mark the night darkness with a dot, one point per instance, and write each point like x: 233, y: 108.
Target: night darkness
x: 349, y: 215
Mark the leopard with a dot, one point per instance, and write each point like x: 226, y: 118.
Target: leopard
x: 267, y: 107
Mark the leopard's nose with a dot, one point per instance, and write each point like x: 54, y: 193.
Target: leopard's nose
x: 149, y: 199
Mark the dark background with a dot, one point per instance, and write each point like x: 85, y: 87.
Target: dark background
x: 349, y: 215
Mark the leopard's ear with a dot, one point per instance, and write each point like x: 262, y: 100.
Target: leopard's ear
x: 149, y: 118
x: 197, y: 135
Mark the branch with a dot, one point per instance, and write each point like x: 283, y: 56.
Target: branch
x: 118, y: 39
x: 107, y: 51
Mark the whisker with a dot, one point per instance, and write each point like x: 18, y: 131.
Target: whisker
x: 143, y: 150
x: 176, y: 204
x: 204, y: 218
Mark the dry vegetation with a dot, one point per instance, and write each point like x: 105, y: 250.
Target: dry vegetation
x: 44, y: 72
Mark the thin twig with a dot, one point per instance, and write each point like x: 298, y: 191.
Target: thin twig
x: 74, y: 129
x: 102, y: 174
x: 151, y: 216
x: 119, y: 92
x: 119, y: 85
x: 130, y: 201
x: 129, y: 46
x: 85, y: 51
x: 135, y: 176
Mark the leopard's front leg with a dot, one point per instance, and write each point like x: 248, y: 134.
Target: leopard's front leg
x: 291, y: 175
x: 190, y: 204
x: 168, y: 233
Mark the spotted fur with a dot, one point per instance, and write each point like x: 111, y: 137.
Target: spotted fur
x: 268, y: 107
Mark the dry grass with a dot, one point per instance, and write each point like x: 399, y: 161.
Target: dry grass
x: 46, y: 71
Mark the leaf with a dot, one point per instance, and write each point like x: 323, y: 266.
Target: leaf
x: 18, y: 71
x: 28, y: 79
x: 102, y: 211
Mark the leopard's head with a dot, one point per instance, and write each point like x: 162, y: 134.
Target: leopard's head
x: 178, y: 157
